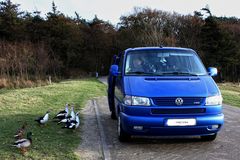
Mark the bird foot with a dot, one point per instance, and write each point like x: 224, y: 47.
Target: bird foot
x: 23, y: 151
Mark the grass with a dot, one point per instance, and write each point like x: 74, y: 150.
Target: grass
x: 11, y: 83
x: 231, y: 93
x: 24, y: 105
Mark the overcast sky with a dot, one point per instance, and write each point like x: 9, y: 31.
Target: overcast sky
x: 111, y: 10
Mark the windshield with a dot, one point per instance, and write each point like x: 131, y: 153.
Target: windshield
x: 163, y: 62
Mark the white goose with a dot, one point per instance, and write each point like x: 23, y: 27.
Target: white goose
x: 73, y: 124
x: 72, y: 113
x: 65, y: 120
x: 62, y: 114
x: 77, y: 120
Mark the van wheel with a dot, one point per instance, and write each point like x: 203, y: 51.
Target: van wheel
x: 209, y: 137
x: 122, y: 135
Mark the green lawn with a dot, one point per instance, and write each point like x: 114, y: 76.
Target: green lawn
x: 24, y: 105
x: 231, y: 93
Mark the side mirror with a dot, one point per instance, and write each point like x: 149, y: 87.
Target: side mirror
x: 212, y: 71
x: 114, y: 70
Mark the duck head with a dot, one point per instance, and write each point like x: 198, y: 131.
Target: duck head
x: 24, y: 125
x: 66, y: 107
x: 29, y: 136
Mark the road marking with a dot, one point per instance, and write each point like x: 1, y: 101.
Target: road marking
x: 105, y: 149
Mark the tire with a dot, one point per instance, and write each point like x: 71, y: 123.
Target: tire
x: 209, y: 137
x: 122, y: 135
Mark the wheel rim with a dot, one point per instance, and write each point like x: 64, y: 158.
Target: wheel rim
x: 119, y: 125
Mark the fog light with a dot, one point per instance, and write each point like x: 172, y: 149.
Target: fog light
x: 139, y: 128
x: 215, y: 126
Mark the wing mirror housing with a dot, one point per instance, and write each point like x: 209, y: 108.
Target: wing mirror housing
x: 212, y: 71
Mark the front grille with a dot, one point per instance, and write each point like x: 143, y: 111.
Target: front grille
x: 170, y: 101
x: 178, y: 111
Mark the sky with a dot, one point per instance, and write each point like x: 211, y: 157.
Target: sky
x: 112, y: 10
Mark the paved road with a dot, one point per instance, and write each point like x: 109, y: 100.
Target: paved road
x: 226, y: 146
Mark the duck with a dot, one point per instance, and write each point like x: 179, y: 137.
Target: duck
x: 20, y: 132
x: 73, y: 124
x: 77, y: 120
x: 23, y: 144
x: 65, y: 120
x: 62, y: 114
x: 70, y: 125
x: 43, y: 119
x: 72, y: 113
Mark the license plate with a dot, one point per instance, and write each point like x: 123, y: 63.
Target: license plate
x: 181, y: 122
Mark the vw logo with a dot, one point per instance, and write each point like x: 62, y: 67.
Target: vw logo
x: 179, y: 101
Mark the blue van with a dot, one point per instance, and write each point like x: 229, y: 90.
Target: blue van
x: 164, y: 91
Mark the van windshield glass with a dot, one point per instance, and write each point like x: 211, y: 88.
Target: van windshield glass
x: 164, y: 62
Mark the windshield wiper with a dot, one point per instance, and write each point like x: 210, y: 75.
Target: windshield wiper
x: 141, y: 72
x: 179, y: 73
x: 137, y: 72
x: 162, y: 74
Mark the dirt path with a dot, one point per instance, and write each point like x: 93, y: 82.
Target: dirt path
x: 90, y: 148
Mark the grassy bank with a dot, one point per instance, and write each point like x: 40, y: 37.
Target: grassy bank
x: 231, y: 93
x: 24, y: 105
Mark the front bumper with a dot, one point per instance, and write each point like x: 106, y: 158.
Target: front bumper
x: 156, y: 126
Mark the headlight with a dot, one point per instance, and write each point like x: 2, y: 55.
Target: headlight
x: 127, y: 100
x: 214, y: 100
x: 136, y: 101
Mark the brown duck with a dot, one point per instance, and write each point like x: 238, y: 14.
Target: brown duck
x: 20, y: 132
x: 24, y: 144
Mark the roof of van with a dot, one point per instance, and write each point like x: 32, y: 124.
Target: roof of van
x: 158, y: 48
